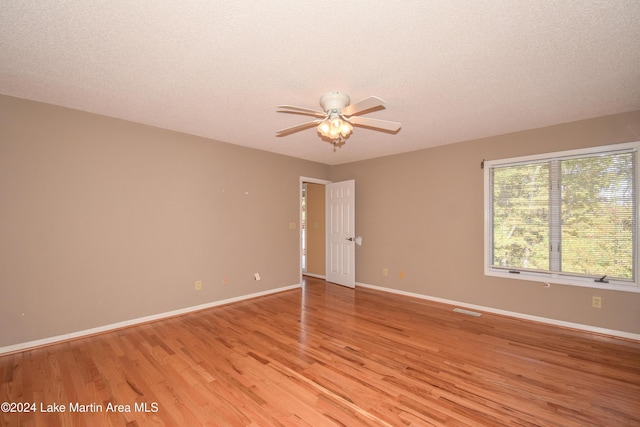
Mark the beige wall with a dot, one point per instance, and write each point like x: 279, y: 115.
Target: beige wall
x: 103, y: 220
x: 422, y: 213
x: 315, y: 229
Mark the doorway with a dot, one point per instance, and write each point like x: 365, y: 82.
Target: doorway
x: 312, y: 227
x: 327, y: 230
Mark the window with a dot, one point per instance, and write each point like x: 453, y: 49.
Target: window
x: 567, y: 217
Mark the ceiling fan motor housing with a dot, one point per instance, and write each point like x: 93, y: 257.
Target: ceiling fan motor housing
x: 334, y: 101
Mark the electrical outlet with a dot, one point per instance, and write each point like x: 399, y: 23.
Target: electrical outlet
x: 198, y: 285
x: 385, y: 271
x: 256, y: 276
x: 596, y: 302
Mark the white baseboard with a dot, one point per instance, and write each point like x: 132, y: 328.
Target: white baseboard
x: 65, y: 337
x: 579, y: 326
x: 316, y: 276
x: 79, y: 334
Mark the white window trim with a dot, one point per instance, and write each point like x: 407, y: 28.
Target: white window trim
x: 550, y: 277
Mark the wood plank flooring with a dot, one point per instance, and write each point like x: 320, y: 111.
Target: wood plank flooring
x: 328, y: 355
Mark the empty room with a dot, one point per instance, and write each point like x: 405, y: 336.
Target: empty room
x: 319, y: 213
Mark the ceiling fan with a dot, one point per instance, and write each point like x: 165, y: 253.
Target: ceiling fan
x: 336, y: 122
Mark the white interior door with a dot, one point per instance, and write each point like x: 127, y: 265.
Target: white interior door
x: 340, y: 220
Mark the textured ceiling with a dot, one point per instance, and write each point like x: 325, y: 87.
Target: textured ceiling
x: 449, y: 71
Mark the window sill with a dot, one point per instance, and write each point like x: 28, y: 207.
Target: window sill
x: 557, y: 279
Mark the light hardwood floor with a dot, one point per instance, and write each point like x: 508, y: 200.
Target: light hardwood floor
x: 328, y: 355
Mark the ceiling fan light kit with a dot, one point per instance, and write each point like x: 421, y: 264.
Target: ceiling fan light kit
x: 336, y: 122
x: 334, y: 127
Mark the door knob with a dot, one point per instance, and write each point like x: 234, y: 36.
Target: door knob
x: 350, y: 239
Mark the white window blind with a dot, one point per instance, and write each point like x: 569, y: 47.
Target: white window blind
x: 569, y: 216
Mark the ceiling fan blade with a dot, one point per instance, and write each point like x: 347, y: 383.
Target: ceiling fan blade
x: 297, y: 128
x: 364, y: 105
x: 375, y: 123
x: 301, y: 110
